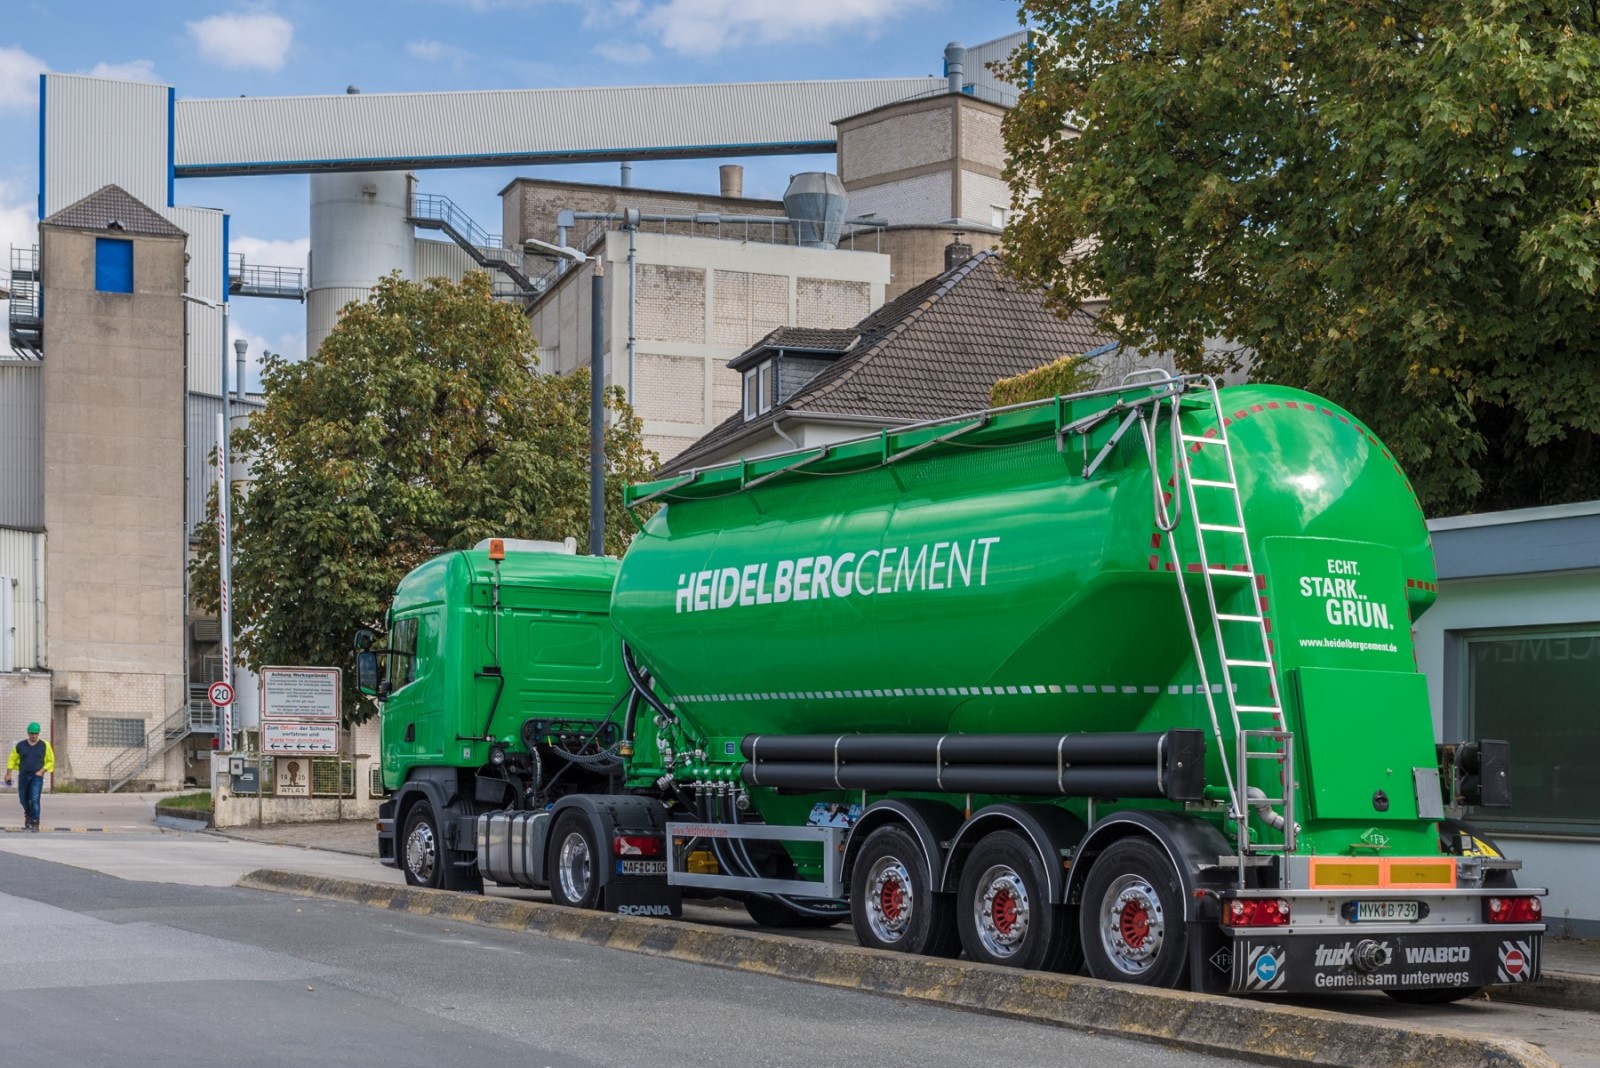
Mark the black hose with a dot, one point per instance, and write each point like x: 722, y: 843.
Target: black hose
x: 641, y: 686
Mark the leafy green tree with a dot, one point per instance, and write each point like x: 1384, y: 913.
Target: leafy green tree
x: 1396, y: 205
x: 1069, y: 374
x: 420, y: 425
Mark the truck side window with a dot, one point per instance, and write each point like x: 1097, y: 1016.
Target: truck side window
x: 402, y: 640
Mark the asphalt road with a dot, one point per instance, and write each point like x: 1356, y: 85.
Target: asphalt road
x: 97, y: 970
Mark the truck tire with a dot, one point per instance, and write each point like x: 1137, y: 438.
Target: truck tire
x: 771, y: 913
x: 1004, y: 911
x: 424, y: 858
x: 575, y: 861
x: 1131, y: 917
x: 892, y: 901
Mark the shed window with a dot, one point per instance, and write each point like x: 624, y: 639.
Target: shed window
x: 113, y: 265
x: 118, y: 733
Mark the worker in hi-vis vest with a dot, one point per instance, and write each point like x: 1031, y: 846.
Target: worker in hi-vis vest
x: 32, y: 759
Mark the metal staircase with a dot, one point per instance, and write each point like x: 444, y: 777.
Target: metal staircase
x: 431, y: 211
x: 26, y: 317
x: 129, y: 763
x: 1205, y: 474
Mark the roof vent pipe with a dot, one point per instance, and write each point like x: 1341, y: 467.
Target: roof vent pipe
x: 816, y: 204
x: 732, y: 179
x: 955, y: 66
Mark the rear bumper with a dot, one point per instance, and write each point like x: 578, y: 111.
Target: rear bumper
x: 1379, y: 958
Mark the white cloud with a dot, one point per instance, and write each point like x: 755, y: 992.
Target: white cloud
x: 290, y: 345
x: 139, y: 70
x: 19, y: 80
x: 243, y: 42
x: 429, y: 51
x: 265, y: 253
x: 625, y: 52
x: 705, y: 27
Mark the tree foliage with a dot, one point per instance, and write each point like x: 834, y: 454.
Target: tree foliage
x: 1392, y: 204
x: 420, y: 425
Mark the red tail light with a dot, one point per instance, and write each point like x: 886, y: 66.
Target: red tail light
x: 636, y: 845
x: 1515, y: 910
x: 1255, y: 912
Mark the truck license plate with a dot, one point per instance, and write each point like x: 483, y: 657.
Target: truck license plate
x: 1405, y: 911
x: 641, y: 867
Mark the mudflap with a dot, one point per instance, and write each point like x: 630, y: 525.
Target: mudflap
x: 1210, y: 958
x: 642, y: 897
x: 1346, y: 959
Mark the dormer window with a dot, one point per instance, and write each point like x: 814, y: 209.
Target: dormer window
x: 758, y: 394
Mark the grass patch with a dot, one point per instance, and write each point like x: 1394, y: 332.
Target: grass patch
x: 200, y: 802
x: 69, y: 788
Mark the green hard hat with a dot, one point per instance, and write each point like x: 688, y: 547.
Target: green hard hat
x: 33, y: 728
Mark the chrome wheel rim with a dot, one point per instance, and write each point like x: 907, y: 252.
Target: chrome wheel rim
x: 422, y: 853
x: 1002, y: 912
x: 575, y: 865
x: 1132, y: 924
x: 890, y: 899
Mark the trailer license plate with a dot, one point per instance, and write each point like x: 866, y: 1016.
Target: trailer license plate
x: 641, y: 867
x: 1405, y: 911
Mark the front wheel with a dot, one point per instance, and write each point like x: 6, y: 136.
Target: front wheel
x: 574, y: 863
x: 423, y: 856
x: 1131, y: 918
x: 1004, y: 909
x: 892, y: 900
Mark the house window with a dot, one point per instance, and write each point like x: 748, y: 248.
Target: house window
x: 116, y: 733
x: 758, y: 387
x: 113, y: 265
x: 998, y: 216
x: 1535, y: 689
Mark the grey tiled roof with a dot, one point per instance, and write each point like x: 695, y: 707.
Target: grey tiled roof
x: 931, y: 353
x: 112, y: 203
x: 797, y: 339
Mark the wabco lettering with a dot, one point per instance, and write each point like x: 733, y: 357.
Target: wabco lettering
x: 943, y: 565
x: 1438, y: 954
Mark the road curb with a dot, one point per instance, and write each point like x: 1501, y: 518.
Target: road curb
x: 1224, y: 1026
x: 1554, y: 990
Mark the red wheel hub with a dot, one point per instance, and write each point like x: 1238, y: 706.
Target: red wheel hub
x: 892, y: 899
x: 1004, y: 912
x: 1135, y: 924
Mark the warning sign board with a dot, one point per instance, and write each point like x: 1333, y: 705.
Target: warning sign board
x: 300, y: 694
x: 279, y: 737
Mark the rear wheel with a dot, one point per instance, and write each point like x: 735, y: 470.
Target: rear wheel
x: 1004, y: 910
x: 574, y: 863
x: 769, y: 912
x: 1442, y: 995
x: 1131, y: 917
x: 892, y: 900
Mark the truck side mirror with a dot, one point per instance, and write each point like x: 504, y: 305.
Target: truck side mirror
x: 367, y: 673
x: 364, y: 639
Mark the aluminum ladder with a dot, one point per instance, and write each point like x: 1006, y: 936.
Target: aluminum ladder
x: 1244, y: 651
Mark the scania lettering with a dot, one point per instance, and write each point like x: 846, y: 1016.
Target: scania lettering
x: 1120, y: 682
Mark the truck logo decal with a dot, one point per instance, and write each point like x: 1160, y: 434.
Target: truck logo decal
x: 1335, y: 956
x: 1438, y: 954
x: 644, y: 910
x: 940, y: 565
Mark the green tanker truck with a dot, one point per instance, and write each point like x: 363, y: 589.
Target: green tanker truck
x: 1119, y: 682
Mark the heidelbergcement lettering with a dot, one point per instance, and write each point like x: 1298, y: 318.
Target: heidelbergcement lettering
x: 939, y: 565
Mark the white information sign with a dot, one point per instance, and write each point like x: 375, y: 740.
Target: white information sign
x: 278, y: 737
x: 292, y: 777
x: 300, y: 694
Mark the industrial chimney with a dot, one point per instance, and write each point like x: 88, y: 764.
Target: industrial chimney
x: 732, y: 179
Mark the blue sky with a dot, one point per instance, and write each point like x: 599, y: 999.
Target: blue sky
x: 295, y: 47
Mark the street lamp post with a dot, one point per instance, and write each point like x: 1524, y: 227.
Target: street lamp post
x: 224, y: 552
x: 597, y: 389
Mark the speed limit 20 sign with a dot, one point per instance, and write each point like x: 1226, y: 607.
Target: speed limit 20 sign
x: 220, y: 694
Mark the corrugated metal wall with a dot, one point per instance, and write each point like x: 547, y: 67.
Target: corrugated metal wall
x: 99, y: 132
x: 21, y: 434
x: 444, y: 259
x: 980, y: 56
x: 18, y: 561
x: 205, y: 279
x: 388, y: 131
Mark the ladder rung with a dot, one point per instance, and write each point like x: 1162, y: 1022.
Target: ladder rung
x: 1225, y: 572
x: 1221, y: 527
x: 1231, y: 618
x: 1213, y: 482
x: 1257, y: 708
x: 1201, y: 439
x: 1249, y: 663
